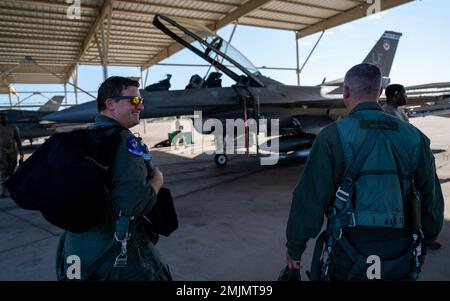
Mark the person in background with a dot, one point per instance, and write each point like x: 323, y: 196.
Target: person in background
x: 10, y: 145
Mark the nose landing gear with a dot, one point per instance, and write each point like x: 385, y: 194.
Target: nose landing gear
x: 221, y: 160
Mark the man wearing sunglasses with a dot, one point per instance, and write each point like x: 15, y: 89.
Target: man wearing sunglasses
x: 132, y: 193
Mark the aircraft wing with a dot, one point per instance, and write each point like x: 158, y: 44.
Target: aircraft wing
x: 431, y: 109
x: 428, y: 99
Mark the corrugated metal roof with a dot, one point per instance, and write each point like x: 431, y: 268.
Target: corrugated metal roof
x: 42, y: 29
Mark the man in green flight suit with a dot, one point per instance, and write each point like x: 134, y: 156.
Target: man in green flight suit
x: 132, y: 191
x: 10, y: 144
x: 396, y: 96
x: 399, y: 154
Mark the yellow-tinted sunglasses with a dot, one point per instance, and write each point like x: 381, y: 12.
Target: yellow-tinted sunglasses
x: 134, y: 100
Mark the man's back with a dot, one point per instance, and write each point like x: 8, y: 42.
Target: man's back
x: 390, y: 165
x: 326, y: 167
x: 380, y: 191
x: 359, y: 172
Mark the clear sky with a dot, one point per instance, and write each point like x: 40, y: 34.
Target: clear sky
x: 423, y: 54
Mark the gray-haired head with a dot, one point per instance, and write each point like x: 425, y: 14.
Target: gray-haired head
x: 363, y: 82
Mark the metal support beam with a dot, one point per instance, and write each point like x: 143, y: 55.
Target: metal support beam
x: 65, y: 93
x: 146, y: 76
x: 87, y: 41
x: 75, y: 76
x: 312, y: 51
x: 108, y: 34
x: 102, y: 51
x: 75, y: 82
x: 297, y: 70
x: 246, y: 8
x: 19, y: 103
x: 163, y: 6
x: 232, y: 32
x: 352, y: 14
x: 243, y: 10
x: 5, y: 73
x: 143, y: 124
x: 9, y: 95
x: 83, y: 7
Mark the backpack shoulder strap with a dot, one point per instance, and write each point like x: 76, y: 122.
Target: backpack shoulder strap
x: 345, y: 190
x: 110, y: 139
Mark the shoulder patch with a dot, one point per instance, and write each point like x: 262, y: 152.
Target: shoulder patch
x: 147, y: 156
x: 133, y: 146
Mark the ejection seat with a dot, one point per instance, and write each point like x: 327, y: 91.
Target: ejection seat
x: 214, y: 80
x: 162, y: 85
x: 195, y: 82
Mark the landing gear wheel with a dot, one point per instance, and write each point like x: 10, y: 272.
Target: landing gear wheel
x: 221, y: 160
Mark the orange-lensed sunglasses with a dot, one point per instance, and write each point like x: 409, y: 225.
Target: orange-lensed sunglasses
x: 134, y: 100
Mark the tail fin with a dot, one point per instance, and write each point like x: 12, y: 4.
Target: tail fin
x: 382, y: 54
x: 52, y: 105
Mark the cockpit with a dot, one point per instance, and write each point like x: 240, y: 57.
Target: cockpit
x: 222, y: 56
x: 213, y: 80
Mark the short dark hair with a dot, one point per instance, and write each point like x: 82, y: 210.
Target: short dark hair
x: 393, y: 90
x: 3, y: 114
x: 113, y: 86
x: 364, y: 81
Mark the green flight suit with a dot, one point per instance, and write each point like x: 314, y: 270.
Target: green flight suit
x: 395, y: 112
x: 132, y: 193
x: 321, y: 178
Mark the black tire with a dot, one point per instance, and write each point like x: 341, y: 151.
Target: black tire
x: 221, y: 160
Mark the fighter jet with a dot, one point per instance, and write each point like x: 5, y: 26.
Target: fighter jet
x: 302, y: 111
x: 16, y: 116
x: 29, y: 122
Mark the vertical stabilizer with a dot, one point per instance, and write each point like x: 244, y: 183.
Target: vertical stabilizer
x: 382, y: 54
x: 52, y: 105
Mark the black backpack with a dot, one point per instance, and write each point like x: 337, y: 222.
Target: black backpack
x: 66, y: 178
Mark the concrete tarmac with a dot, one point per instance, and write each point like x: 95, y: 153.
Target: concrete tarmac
x: 232, y: 219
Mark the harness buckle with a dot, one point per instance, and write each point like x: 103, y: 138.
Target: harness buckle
x: 121, y: 261
x: 342, y: 195
x: 122, y: 258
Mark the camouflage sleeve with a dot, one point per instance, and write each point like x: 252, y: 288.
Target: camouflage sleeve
x: 432, y: 200
x: 315, y: 191
x: 17, y: 139
x: 131, y: 191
